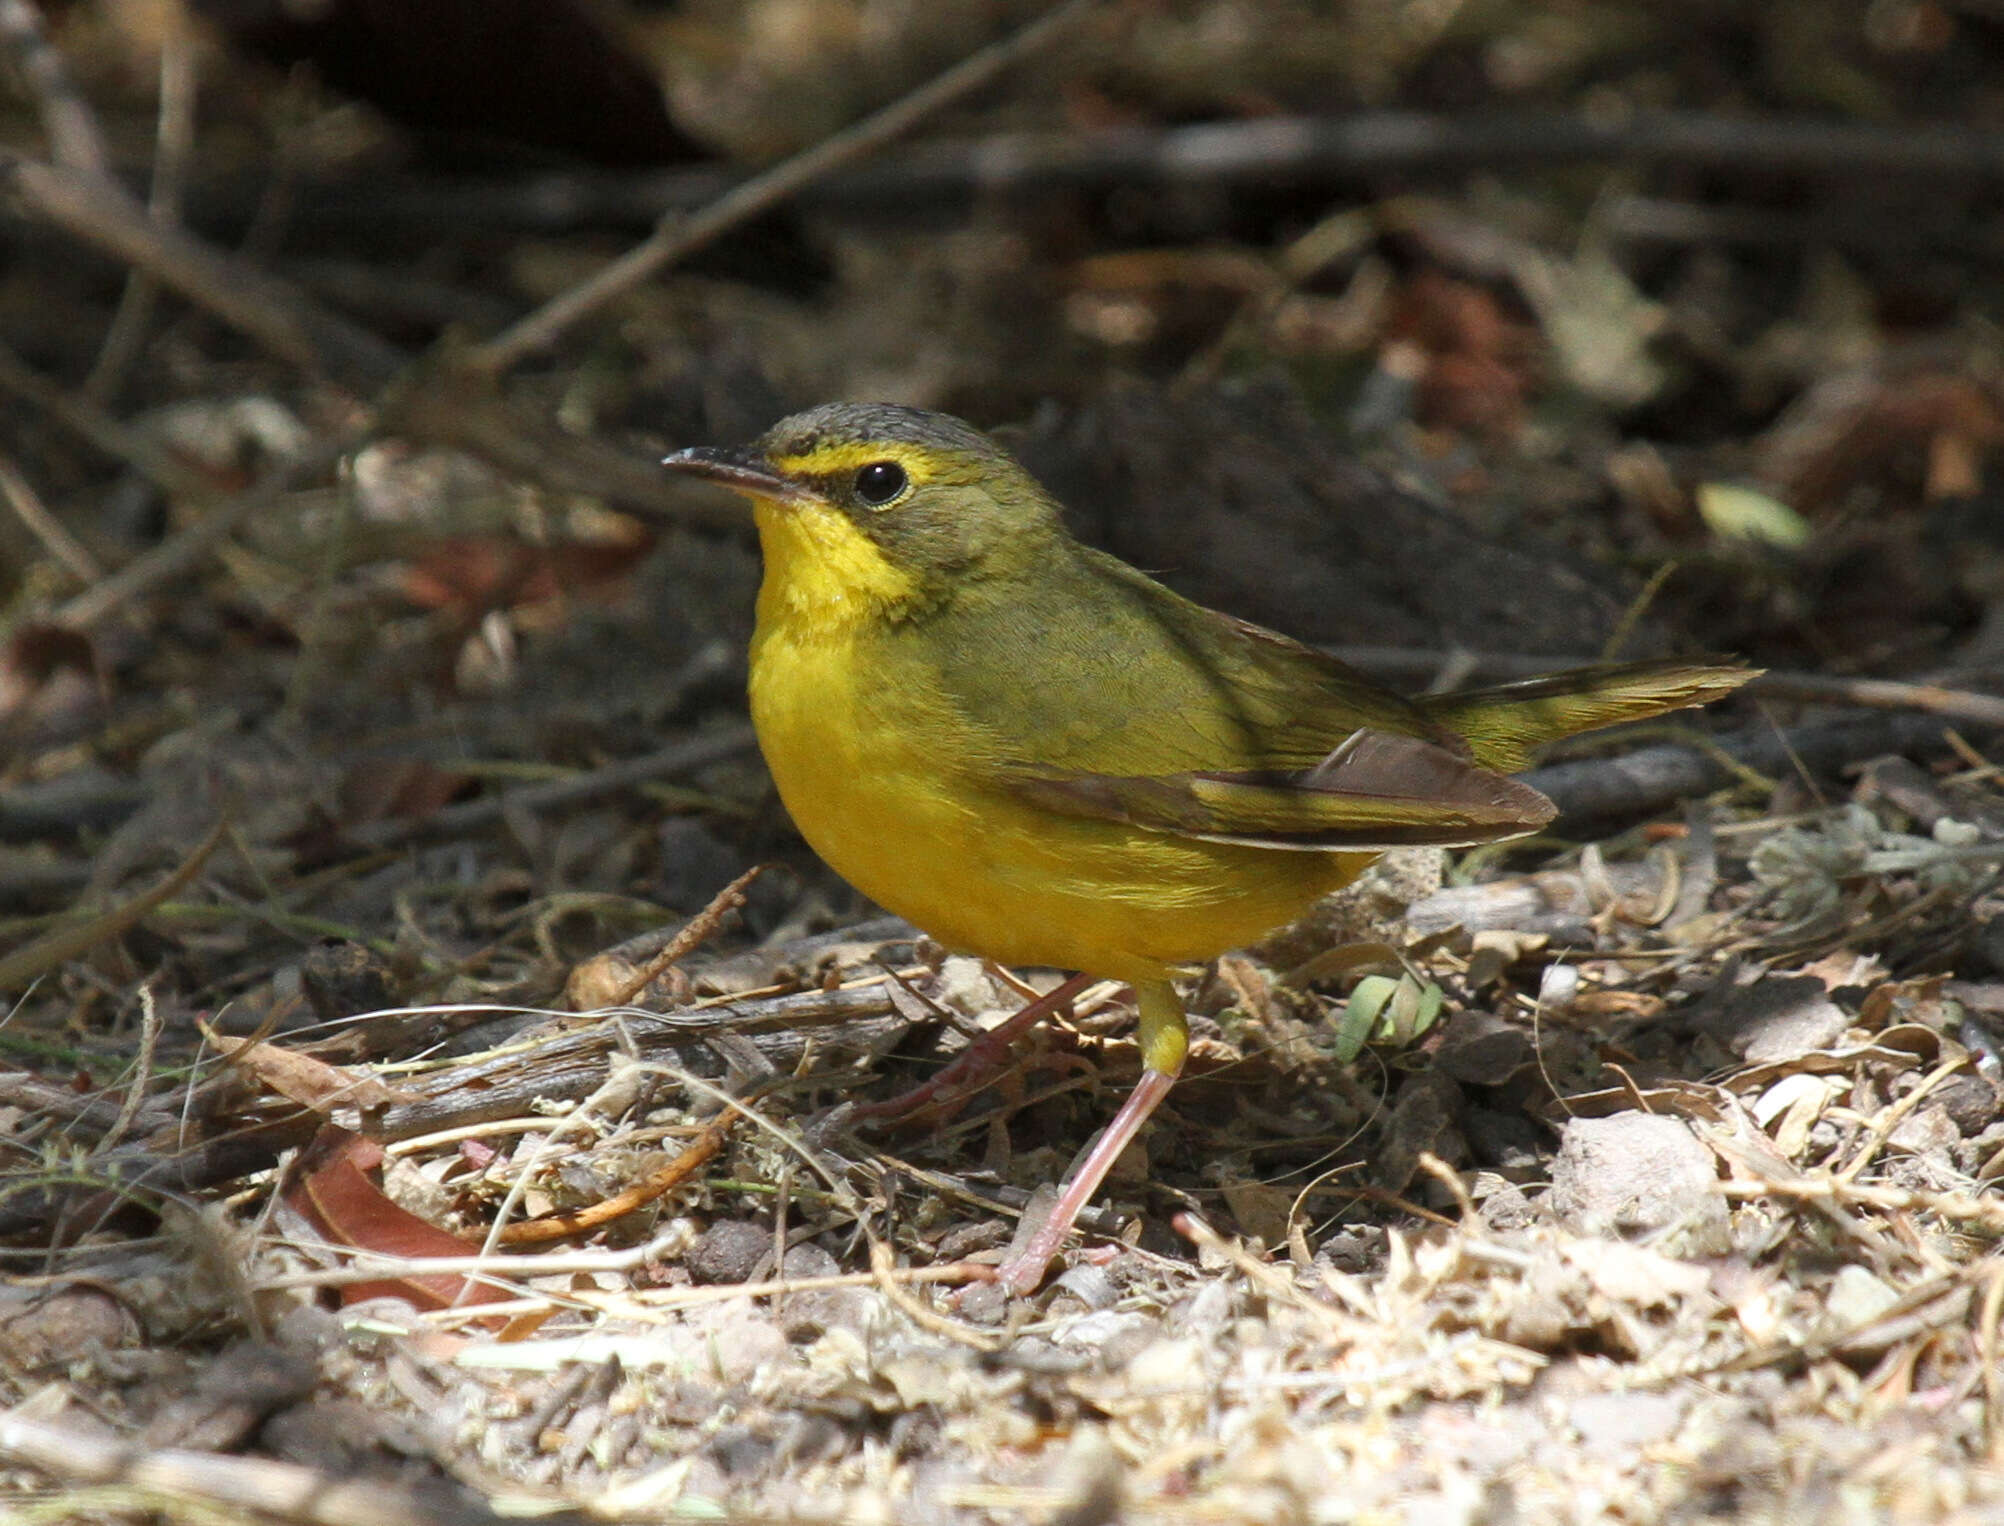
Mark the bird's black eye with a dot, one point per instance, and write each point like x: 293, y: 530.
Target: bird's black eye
x: 879, y: 482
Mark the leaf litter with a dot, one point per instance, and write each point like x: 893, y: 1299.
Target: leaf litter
x: 1647, y: 1179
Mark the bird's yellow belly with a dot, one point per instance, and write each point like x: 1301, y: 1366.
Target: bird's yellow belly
x: 879, y: 785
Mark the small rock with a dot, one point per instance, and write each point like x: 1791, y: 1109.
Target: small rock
x: 53, y: 1328
x: 1095, y: 1331
x: 341, y: 978
x: 1926, y: 1129
x: 1424, y: 1120
x: 809, y: 1260
x: 1206, y: 1312
x: 1775, y: 1019
x: 1539, y: 1320
x: 964, y: 1240
x: 1640, y: 1173
x: 1507, y: 1142
x: 729, y: 1251
x: 1971, y: 1102
x: 741, y: 1344
x: 1359, y: 1248
x: 1502, y: 1203
x: 1856, y: 1298
x: 1481, y: 1049
x: 983, y: 1303
x: 1089, y: 1479
x: 964, y: 985
x: 1615, y: 1424
x: 810, y: 1315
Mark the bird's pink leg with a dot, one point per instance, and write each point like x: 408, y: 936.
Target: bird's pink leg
x: 1164, y: 1039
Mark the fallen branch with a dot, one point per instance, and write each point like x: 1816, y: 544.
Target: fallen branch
x: 1299, y: 151
x: 282, y: 1489
x: 1650, y: 778
x: 564, y: 1064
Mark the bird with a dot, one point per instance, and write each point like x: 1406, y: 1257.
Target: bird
x: 1040, y: 755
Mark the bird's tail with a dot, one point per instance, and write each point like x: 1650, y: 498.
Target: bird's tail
x: 1505, y: 723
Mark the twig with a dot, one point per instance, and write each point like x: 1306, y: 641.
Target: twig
x: 884, y: 1271
x: 44, y: 954
x: 174, y: 142
x: 1986, y: 1346
x: 89, y: 422
x: 1891, y: 1117
x: 142, y: 1068
x: 1270, y: 1280
x: 472, y: 815
x: 45, y: 527
x: 281, y: 1489
x: 675, y: 237
x: 66, y: 116
x: 271, y: 311
x: 1964, y: 1207
x: 700, y: 929
x: 565, y: 1066
x: 561, y: 1226
x: 1854, y: 224
x: 1883, y: 693
x: 187, y: 549
x: 366, y: 1265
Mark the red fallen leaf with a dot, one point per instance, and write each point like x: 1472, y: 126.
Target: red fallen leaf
x: 474, y: 575
x: 337, y: 1193
x: 1481, y: 358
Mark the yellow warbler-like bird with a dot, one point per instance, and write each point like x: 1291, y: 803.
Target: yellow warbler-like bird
x: 1040, y: 755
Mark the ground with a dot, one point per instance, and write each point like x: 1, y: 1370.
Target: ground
x: 411, y: 1113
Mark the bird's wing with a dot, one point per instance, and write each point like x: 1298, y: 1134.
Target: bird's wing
x: 1090, y: 667
x: 1377, y: 790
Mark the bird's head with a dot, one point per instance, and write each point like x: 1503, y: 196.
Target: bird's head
x: 880, y: 504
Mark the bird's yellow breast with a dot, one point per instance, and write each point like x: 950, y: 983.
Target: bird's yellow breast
x: 893, y: 784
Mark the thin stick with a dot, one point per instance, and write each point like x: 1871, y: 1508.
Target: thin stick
x: 66, y: 116
x: 44, y: 526
x: 29, y: 962
x: 273, y: 312
x: 1986, y: 1347
x: 1313, y: 151
x: 700, y: 929
x: 114, y: 438
x: 472, y: 815
x: 188, y: 548
x: 978, y: 1066
x: 174, y: 143
x: 561, y: 1226
x: 142, y: 1068
x: 675, y: 237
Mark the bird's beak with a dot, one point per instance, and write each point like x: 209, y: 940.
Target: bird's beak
x: 743, y: 471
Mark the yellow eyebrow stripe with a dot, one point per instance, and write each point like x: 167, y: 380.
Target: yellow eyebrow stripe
x: 829, y: 459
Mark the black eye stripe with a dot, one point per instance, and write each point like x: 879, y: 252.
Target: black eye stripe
x: 880, y: 482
